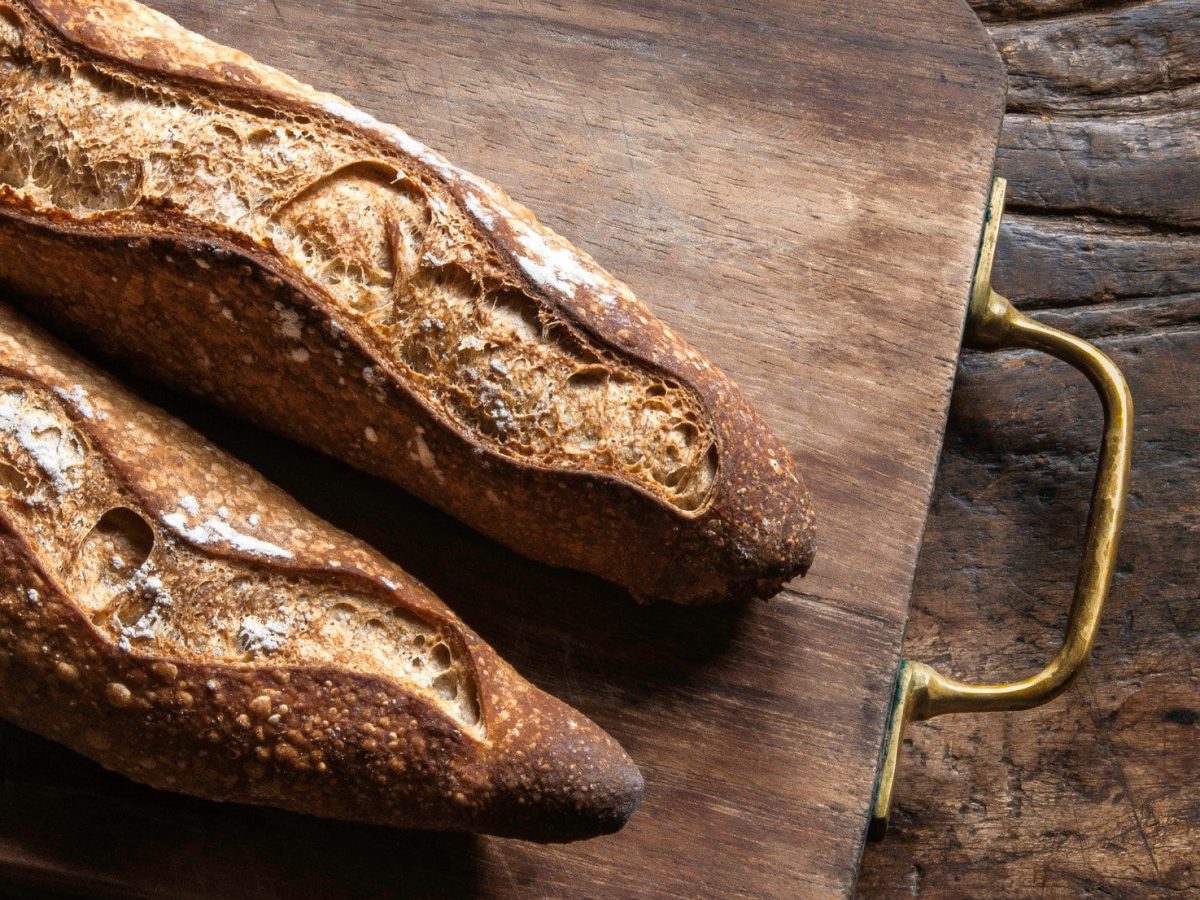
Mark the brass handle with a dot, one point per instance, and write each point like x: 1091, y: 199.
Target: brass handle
x: 922, y: 692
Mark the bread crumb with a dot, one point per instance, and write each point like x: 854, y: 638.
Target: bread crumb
x: 289, y: 322
x: 470, y: 342
x: 258, y: 636
x: 423, y: 455
x: 44, y: 436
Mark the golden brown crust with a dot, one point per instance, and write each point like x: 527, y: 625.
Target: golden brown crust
x: 736, y: 522
x: 180, y: 699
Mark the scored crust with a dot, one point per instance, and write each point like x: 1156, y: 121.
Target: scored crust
x: 168, y: 613
x: 457, y: 346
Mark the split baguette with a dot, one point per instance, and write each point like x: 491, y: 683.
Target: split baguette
x: 168, y: 613
x: 229, y: 230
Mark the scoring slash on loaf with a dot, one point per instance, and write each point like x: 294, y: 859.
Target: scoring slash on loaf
x: 236, y: 233
x: 168, y: 613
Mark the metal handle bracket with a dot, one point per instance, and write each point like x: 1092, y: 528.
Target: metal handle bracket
x: 922, y: 692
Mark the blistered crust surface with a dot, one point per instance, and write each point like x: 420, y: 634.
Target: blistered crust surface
x: 147, y: 589
x: 658, y: 474
x: 169, y: 613
x: 402, y: 261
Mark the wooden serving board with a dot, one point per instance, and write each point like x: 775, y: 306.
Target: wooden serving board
x: 797, y: 187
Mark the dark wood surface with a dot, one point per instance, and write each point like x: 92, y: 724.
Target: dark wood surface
x: 798, y: 188
x: 1097, y: 794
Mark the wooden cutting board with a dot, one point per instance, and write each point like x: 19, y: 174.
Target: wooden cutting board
x: 797, y: 187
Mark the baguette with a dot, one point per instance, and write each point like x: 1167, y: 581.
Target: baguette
x: 219, y: 226
x: 168, y: 613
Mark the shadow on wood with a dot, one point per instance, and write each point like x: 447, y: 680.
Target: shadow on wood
x: 116, y: 834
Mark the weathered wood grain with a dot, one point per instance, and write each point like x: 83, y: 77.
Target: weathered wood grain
x: 1140, y: 58
x: 1049, y: 260
x: 1095, y: 794
x: 1123, y: 165
x: 1004, y: 11
x: 798, y: 188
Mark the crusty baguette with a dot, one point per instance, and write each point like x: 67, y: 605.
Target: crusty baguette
x: 236, y: 233
x: 168, y: 613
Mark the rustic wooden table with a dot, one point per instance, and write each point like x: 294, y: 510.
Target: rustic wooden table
x: 1097, y: 792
